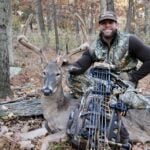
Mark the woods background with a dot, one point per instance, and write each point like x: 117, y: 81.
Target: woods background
x: 56, y: 20
x: 61, y: 25
x: 53, y: 27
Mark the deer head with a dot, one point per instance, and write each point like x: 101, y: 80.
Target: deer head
x: 52, y: 73
x: 52, y: 76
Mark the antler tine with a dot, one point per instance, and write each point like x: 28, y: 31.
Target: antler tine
x: 24, y: 41
x: 24, y: 29
x: 83, y: 26
x: 64, y: 59
x: 76, y: 50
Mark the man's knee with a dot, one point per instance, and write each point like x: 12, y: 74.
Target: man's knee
x: 75, y: 84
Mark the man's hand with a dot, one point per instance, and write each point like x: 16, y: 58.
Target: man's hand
x: 72, y: 69
x: 104, y: 65
x: 127, y: 77
x: 84, y: 46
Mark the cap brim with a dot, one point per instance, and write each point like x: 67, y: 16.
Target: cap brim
x: 107, y: 18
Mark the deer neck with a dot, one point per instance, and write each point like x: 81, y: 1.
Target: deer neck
x: 61, y: 100
x: 57, y: 99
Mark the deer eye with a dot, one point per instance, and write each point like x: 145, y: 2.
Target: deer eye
x: 44, y: 73
x: 57, y: 74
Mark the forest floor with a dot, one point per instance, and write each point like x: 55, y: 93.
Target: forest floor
x: 27, y: 84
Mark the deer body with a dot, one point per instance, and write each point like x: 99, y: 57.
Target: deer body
x: 56, y: 110
x: 56, y: 106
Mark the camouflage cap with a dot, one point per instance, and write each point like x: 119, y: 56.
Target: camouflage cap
x: 107, y: 15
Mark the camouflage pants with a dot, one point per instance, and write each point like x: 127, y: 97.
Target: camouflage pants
x: 134, y: 99
x: 78, y: 84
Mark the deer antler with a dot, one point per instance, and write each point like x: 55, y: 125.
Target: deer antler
x: 60, y: 58
x: 79, y: 49
x: 65, y: 58
x: 24, y: 30
x: 24, y: 41
x: 83, y: 26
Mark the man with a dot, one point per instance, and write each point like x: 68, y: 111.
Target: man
x: 120, y: 50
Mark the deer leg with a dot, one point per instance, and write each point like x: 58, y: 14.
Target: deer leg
x: 56, y: 137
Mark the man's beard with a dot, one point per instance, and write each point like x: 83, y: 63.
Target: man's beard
x: 108, y: 33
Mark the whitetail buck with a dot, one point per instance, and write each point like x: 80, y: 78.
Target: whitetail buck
x: 56, y: 106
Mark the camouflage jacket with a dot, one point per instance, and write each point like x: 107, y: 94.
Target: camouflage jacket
x: 123, y: 52
x: 117, y: 54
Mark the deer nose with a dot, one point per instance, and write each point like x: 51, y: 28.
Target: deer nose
x: 47, y: 91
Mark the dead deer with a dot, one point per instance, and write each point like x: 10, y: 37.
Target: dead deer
x: 56, y: 106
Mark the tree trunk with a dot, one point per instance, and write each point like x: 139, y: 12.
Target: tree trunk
x: 134, y: 16
x: 77, y: 23
x: 10, y: 47
x: 110, y: 5
x: 21, y: 108
x: 106, y: 5
x: 49, y: 16
x: 55, y: 26
x: 91, y: 19
x: 76, y: 20
x: 103, y: 6
x: 40, y: 21
x: 4, y: 54
x: 147, y: 18
x: 39, y: 16
x: 129, y: 16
